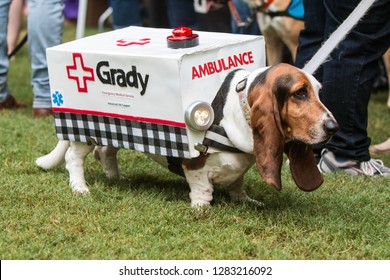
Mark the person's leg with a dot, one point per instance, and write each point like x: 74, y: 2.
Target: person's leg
x: 15, y: 23
x: 125, y: 13
x: 158, y: 15
x: 350, y: 72
x: 181, y: 13
x: 216, y: 20
x: 313, y: 35
x: 44, y: 27
x: 4, y: 63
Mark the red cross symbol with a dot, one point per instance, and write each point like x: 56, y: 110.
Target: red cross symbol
x: 125, y: 43
x: 79, y: 72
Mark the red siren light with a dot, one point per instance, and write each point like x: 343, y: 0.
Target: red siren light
x: 182, y: 37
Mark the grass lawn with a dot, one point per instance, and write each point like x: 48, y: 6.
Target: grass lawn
x: 148, y: 214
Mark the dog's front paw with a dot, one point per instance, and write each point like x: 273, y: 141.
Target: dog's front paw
x: 199, y: 204
x: 201, y: 195
x: 46, y: 163
x: 41, y: 163
x: 79, y: 188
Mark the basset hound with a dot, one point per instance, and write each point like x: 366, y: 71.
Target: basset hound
x: 263, y: 113
x: 280, y: 21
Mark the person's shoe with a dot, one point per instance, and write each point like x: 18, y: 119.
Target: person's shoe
x: 382, y: 148
x: 41, y: 112
x: 329, y: 163
x: 11, y: 103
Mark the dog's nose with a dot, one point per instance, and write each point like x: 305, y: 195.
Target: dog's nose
x: 331, y: 127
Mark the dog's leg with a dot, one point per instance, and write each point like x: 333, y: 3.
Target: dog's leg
x: 274, y: 45
x: 289, y: 33
x: 55, y: 158
x: 107, y: 157
x: 74, y: 159
x: 201, y: 193
x: 274, y: 48
x: 237, y: 193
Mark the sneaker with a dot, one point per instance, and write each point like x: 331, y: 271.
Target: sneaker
x: 329, y: 163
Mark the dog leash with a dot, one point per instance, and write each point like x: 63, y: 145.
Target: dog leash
x: 337, y: 36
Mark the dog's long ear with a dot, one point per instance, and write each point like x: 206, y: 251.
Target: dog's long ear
x: 303, y: 166
x: 268, y: 141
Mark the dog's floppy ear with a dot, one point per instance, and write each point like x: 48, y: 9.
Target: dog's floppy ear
x: 268, y: 141
x: 303, y: 166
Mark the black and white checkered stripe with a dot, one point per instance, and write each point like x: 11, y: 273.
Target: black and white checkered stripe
x: 145, y: 137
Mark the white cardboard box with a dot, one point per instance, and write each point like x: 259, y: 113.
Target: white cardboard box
x: 127, y: 89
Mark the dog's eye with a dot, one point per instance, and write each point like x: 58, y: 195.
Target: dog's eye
x: 300, y: 93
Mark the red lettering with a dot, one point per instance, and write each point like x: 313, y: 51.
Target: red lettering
x: 250, y: 55
x: 203, y: 71
x: 195, y: 73
x: 222, y: 64
x: 238, y: 59
x: 219, y: 67
x: 231, y: 62
x: 211, y: 67
x: 247, y: 57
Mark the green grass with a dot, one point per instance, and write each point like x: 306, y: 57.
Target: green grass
x: 148, y: 214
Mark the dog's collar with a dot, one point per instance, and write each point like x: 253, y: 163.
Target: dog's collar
x: 246, y: 109
x: 294, y: 10
x: 242, y: 96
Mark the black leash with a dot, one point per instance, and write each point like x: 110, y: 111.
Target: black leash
x: 18, y: 46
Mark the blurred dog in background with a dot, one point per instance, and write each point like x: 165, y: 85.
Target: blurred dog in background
x: 280, y: 22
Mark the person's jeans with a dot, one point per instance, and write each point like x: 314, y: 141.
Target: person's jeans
x: 4, y: 8
x: 125, y: 13
x: 181, y: 13
x: 348, y: 75
x: 44, y: 28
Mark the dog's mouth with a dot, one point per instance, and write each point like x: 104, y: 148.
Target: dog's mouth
x: 318, y: 136
x: 311, y: 142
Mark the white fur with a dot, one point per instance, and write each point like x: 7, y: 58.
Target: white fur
x: 55, y: 158
x: 225, y: 169
x: 234, y: 117
x: 74, y: 154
